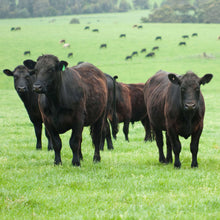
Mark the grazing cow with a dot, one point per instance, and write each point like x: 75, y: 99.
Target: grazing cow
x: 158, y: 38
x: 185, y: 36
x: 135, y: 25
x: 66, y: 45
x: 95, y: 30
x: 70, y: 98
x: 103, y: 46
x: 175, y: 104
x: 70, y: 55
x: 18, y: 28
x: 143, y: 50
x: 155, y: 48
x: 122, y: 35
x: 110, y: 113
x: 13, y: 29
x: 28, y: 52
x: 62, y: 41
x: 130, y: 107
x: 182, y: 43
x: 128, y: 57
x: 140, y: 27
x: 86, y: 28
x: 194, y: 35
x: 23, y: 83
x: 151, y: 54
x: 134, y: 53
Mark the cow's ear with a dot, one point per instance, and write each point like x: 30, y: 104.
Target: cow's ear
x: 8, y: 72
x: 30, y: 64
x: 174, y: 79
x: 205, y: 79
x: 62, y: 65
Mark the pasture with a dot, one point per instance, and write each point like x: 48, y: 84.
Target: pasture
x: 129, y: 182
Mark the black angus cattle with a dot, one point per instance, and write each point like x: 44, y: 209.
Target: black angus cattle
x: 62, y: 41
x: 182, y: 43
x: 95, y: 30
x: 23, y: 83
x: 103, y: 46
x: 128, y: 57
x: 185, y: 36
x: 143, y: 50
x: 194, y: 34
x: 151, y: 54
x: 69, y: 100
x: 155, y: 48
x: 70, y: 55
x: 13, y: 29
x: 140, y: 27
x: 86, y: 28
x: 134, y: 53
x: 110, y: 113
x: 122, y: 36
x: 28, y: 52
x: 130, y: 107
x: 175, y: 104
x: 158, y: 38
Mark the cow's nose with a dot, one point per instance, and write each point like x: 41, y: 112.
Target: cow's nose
x: 37, y: 88
x: 190, y: 106
x: 21, y: 89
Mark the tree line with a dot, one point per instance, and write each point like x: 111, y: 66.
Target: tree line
x: 43, y: 8
x: 184, y: 11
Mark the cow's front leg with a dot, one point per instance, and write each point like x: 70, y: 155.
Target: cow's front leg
x: 194, y: 147
x: 38, y: 131
x: 57, y: 145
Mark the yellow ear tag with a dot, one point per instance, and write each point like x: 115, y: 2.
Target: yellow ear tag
x: 63, y: 68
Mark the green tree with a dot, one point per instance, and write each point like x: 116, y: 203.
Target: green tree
x: 141, y: 4
x: 124, y: 6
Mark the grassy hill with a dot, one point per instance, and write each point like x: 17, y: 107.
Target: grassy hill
x: 129, y: 183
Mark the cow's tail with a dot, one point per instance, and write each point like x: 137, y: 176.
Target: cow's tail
x: 114, y: 122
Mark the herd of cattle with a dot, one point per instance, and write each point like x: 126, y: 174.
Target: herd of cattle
x: 69, y: 98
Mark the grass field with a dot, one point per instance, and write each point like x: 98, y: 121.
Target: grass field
x: 129, y: 183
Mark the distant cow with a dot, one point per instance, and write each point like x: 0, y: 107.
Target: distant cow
x: 12, y: 28
x: 182, y: 43
x: 194, y: 35
x: 128, y: 57
x: 151, y: 54
x: 70, y: 55
x: 23, y: 82
x: 28, y: 52
x: 158, y: 38
x: 86, y: 28
x: 122, y: 35
x: 18, y: 28
x: 134, y: 53
x: 155, y: 48
x: 143, y: 50
x: 130, y: 107
x: 66, y: 45
x: 175, y: 104
x: 62, y: 41
x: 135, y: 25
x: 95, y: 30
x: 69, y: 100
x: 140, y: 27
x: 185, y: 36
x: 103, y: 46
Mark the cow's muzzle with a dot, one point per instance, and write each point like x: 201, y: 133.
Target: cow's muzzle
x: 37, y: 87
x: 21, y: 89
x: 190, y: 106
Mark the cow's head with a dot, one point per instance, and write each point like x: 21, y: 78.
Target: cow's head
x: 22, y: 79
x: 47, y: 70
x: 189, y: 88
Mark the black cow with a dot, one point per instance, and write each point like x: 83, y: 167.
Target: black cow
x: 143, y: 50
x: 70, y: 55
x: 70, y: 98
x: 128, y: 57
x: 103, y: 46
x: 28, y: 52
x: 130, y: 107
x: 185, y: 36
x: 134, y: 53
x: 155, y: 48
x: 86, y: 28
x: 140, y: 27
x: 195, y: 35
x: 122, y: 35
x: 158, y: 38
x: 182, y: 43
x: 175, y: 104
x: 151, y: 54
x: 23, y: 83
x: 95, y: 30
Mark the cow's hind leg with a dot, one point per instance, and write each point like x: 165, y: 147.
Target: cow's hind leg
x: 159, y: 140
x: 126, y: 129
x: 108, y: 137
x: 38, y: 131
x: 148, y: 136
x: 50, y: 144
x: 57, y: 145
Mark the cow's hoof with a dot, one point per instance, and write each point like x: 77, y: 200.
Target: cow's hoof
x: 96, y: 159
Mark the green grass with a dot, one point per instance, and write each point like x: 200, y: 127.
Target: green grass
x: 129, y: 183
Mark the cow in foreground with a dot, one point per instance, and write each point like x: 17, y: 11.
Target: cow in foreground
x: 130, y: 107
x: 70, y: 98
x: 23, y: 83
x: 175, y: 105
